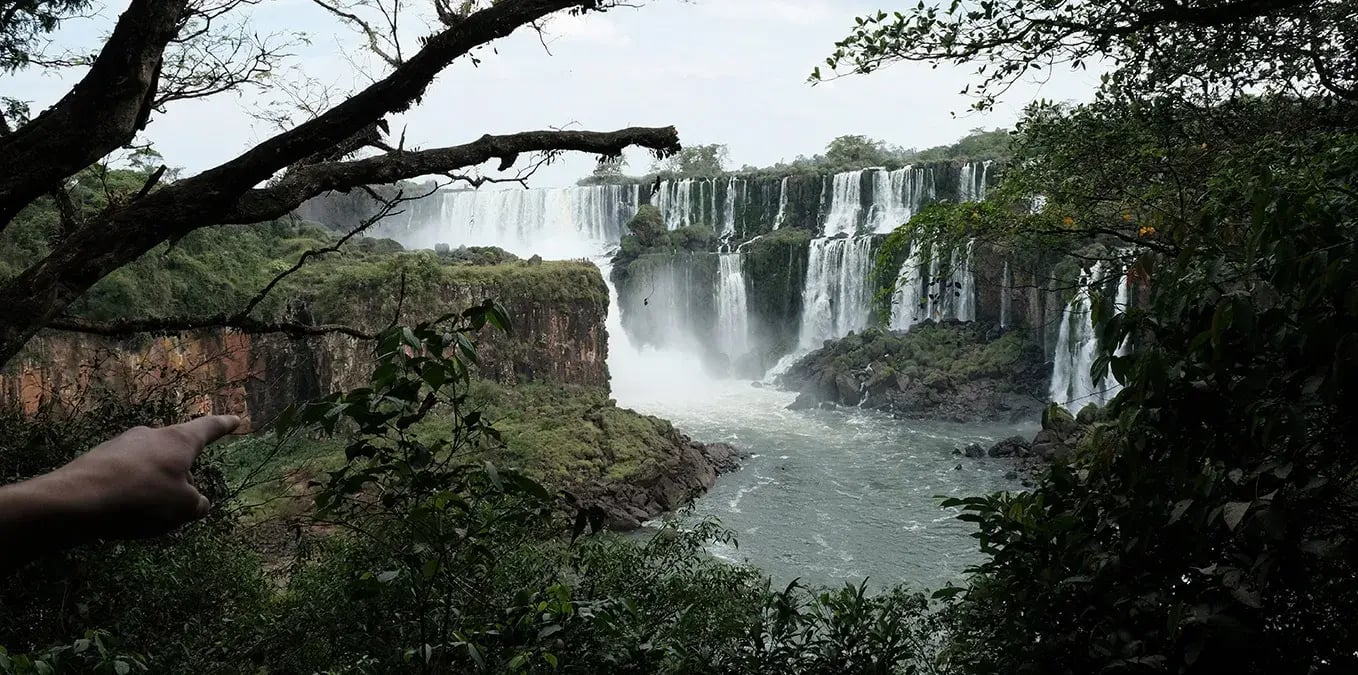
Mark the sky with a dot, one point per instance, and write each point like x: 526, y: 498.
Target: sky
x: 722, y: 71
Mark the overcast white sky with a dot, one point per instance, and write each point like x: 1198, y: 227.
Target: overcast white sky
x: 722, y: 71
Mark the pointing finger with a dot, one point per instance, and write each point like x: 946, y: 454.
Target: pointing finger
x: 207, y: 429
x: 202, y: 508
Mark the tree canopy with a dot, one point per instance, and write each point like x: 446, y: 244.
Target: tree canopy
x: 1197, y: 49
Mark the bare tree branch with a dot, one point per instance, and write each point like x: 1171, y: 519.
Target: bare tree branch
x: 309, y: 181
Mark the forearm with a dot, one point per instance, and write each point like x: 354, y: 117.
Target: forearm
x: 40, y: 515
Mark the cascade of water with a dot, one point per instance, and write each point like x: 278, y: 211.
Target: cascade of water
x: 675, y: 203
x: 733, y: 316
x: 952, y: 297
x: 966, y: 183
x: 1122, y: 302
x: 782, y: 205
x: 982, y: 186
x: 728, y: 221
x: 964, y: 285
x: 845, y: 213
x: 835, y: 298
x: 1005, y: 300
x: 905, y: 302
x: 1076, y: 348
x: 555, y: 223
x: 846, y: 204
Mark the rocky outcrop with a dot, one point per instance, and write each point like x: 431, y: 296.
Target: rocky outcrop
x: 1061, y: 433
x: 953, y: 371
x: 1060, y: 438
x: 559, y: 337
x: 666, y: 485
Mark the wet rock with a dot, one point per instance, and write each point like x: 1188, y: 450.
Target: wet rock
x: 1011, y: 475
x: 1090, y: 414
x: 1059, y: 420
x: 1014, y: 446
x: 688, y: 473
x: 847, y: 389
x: 805, y: 401
x: 974, y: 451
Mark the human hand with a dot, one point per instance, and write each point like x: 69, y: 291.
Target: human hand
x: 137, y: 485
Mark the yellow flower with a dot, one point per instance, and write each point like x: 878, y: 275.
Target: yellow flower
x: 1126, y: 217
x: 1146, y: 231
x: 1068, y: 220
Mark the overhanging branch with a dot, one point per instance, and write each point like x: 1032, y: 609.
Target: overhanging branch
x: 309, y: 181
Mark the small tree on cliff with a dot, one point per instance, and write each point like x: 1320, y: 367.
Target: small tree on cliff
x: 163, y: 51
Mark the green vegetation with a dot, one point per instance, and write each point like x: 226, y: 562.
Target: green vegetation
x: 419, y: 557
x: 567, y: 435
x: 844, y: 153
x: 694, y: 161
x: 646, y: 233
x: 1209, y: 524
x: 938, y: 353
x: 957, y: 371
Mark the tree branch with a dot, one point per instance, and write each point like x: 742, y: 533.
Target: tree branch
x: 101, y: 113
x: 309, y: 181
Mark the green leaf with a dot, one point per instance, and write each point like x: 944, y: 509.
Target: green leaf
x: 1233, y: 513
x: 1178, y: 511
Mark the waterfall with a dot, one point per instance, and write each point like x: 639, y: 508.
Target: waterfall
x: 1122, y: 303
x: 897, y: 196
x: 728, y: 221
x: 1077, y: 346
x: 963, y: 284
x: 836, y: 299
x: 846, y: 204
x: 675, y: 201
x: 923, y: 293
x: 971, y: 182
x: 733, y: 317
x: 906, y: 301
x: 782, y: 204
x: 1005, y: 283
x: 572, y: 222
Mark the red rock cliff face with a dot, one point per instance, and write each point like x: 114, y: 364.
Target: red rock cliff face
x: 557, y: 339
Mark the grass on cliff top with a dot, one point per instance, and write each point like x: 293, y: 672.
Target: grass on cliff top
x: 218, y: 270
x: 559, y: 435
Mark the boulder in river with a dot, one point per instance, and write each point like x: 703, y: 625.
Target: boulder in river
x: 1014, y: 446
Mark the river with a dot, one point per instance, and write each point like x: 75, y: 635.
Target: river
x: 827, y: 496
